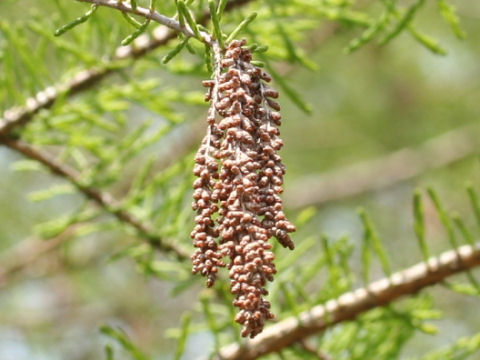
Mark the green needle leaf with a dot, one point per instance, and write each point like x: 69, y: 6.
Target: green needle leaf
x: 444, y: 218
x: 216, y: 23
x: 175, y: 51
x: 419, y: 224
x: 77, y: 21
x: 404, y: 22
x: 449, y: 14
x: 463, y: 229
x: 135, y: 34
x: 375, y: 242
x: 221, y: 8
x: 472, y: 195
x: 241, y: 27
x: 182, y: 8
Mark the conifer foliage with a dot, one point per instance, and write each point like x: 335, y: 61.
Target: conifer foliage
x: 79, y: 100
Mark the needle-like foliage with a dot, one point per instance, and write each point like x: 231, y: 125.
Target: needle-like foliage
x: 103, y: 105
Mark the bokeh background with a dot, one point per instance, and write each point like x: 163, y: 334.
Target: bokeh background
x: 364, y: 107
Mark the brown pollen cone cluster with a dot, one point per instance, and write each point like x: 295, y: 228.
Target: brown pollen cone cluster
x: 237, y: 193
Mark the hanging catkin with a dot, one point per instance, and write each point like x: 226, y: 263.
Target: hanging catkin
x: 240, y: 177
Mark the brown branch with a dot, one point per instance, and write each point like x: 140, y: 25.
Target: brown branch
x: 384, y: 171
x: 105, y: 200
x: 352, y: 304
x: 88, y: 78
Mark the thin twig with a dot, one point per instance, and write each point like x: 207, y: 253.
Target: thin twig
x: 105, y: 200
x: 151, y: 15
x: 352, y: 304
x: 384, y: 171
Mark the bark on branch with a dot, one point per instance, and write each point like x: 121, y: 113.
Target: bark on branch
x: 352, y: 304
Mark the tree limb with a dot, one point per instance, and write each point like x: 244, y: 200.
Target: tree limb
x: 105, y: 200
x: 352, y: 304
x: 384, y: 171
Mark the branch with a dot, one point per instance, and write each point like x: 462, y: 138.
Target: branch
x: 105, y: 200
x: 88, y: 78
x: 352, y: 304
x: 384, y: 171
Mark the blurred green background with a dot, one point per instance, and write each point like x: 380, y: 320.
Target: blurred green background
x: 365, y: 105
